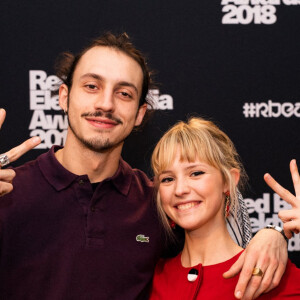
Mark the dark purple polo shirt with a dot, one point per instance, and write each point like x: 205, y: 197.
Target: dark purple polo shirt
x: 59, y: 240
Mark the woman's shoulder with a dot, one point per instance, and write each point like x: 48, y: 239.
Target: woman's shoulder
x: 289, y: 286
x: 166, y: 265
x: 291, y: 277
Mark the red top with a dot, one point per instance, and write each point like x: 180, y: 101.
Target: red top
x: 170, y: 282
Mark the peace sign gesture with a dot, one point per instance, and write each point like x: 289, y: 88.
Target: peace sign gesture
x: 7, y: 175
x: 291, y: 217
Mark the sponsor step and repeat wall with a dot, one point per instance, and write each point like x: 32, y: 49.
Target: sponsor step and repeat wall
x: 235, y: 62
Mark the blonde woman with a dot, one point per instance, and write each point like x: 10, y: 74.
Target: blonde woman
x: 197, y: 173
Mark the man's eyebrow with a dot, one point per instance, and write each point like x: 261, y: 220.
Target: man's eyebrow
x: 92, y: 75
x: 98, y: 77
x: 128, y: 84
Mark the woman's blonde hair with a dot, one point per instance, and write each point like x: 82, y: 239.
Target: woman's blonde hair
x: 203, y: 140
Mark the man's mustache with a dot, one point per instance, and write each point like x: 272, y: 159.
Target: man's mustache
x: 102, y: 114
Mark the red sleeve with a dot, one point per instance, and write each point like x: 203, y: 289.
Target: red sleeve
x: 289, y: 286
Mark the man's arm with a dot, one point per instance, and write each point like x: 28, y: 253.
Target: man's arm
x: 291, y: 217
x: 7, y: 175
x: 267, y: 250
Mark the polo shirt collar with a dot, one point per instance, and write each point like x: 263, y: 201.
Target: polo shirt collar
x: 60, y: 178
x: 123, y: 177
x: 54, y: 172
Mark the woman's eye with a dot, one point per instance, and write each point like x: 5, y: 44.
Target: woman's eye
x: 197, y: 173
x: 166, y: 180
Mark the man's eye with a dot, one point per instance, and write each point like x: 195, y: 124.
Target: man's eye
x: 125, y: 94
x: 91, y: 86
x: 166, y: 180
x: 197, y: 173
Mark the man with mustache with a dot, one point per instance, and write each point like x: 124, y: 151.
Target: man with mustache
x: 80, y: 223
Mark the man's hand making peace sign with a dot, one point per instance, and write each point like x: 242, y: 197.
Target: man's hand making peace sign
x: 291, y: 217
x: 7, y: 175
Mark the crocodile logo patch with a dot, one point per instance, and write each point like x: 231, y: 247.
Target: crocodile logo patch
x: 141, y: 238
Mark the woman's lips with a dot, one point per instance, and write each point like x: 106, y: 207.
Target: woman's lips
x: 187, y: 205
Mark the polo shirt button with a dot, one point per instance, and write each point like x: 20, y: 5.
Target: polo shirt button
x: 81, y: 182
x: 93, y: 209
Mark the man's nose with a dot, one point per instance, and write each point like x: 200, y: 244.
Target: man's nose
x: 105, y: 101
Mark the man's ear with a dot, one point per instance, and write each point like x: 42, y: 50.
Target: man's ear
x: 63, y: 97
x: 140, y: 114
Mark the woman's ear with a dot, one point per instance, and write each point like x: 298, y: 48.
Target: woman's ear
x: 235, y: 173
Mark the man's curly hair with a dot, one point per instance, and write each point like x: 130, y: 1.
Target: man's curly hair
x: 67, y: 62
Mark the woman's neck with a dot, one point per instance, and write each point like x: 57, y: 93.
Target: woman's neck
x: 208, y: 246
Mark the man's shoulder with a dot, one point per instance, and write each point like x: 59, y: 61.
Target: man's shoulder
x: 140, y: 175
x: 27, y: 183
x: 137, y: 174
x: 30, y: 166
x: 31, y: 173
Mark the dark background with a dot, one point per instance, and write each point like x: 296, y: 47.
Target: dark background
x: 209, y: 69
